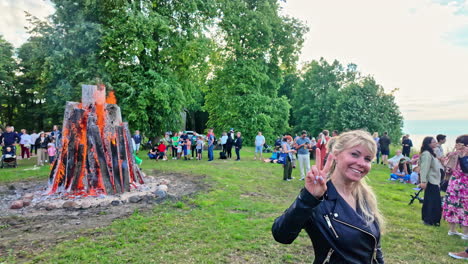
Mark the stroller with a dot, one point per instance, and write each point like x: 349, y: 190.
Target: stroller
x: 8, y: 160
x: 267, y: 148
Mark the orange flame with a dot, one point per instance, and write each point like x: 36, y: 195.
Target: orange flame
x: 111, y: 98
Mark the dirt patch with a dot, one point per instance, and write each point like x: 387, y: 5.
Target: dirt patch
x: 29, y: 231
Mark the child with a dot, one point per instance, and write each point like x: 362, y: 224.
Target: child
x: 162, y: 150
x: 400, y: 171
x: 199, y: 148
x: 273, y: 158
x: 179, y: 148
x: 414, y: 178
x: 9, y: 153
x: 51, y: 151
x: 188, y: 145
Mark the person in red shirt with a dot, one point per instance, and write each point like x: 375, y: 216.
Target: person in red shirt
x: 162, y: 151
x: 322, y: 145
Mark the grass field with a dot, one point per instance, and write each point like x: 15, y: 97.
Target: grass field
x: 231, y: 222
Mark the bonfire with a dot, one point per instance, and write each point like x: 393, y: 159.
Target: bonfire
x: 95, y: 153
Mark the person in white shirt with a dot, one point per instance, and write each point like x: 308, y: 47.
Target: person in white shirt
x: 34, y: 136
x: 259, y: 142
x: 439, y: 151
x: 224, y: 139
x: 25, y: 144
x: 396, y: 159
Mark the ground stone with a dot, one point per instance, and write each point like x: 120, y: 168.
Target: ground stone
x: 162, y: 187
x: 134, y: 199
x: 16, y: 204
x: 85, y: 205
x: 160, y: 193
x: 70, y: 205
x: 115, y: 202
x: 28, y: 196
x: 50, y: 206
x: 26, y: 202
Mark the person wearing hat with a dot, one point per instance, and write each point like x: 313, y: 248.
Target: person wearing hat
x: 229, y: 143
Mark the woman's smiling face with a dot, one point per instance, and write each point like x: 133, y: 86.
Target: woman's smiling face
x: 353, y: 163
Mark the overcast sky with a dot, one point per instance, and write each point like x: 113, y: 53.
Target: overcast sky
x: 418, y: 46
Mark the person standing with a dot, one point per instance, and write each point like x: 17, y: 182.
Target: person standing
x: 224, y: 138
x: 56, y: 134
x: 193, y: 147
x: 430, y: 180
x: 229, y: 143
x: 41, y: 145
x: 9, y: 138
x: 210, y: 137
x: 287, y: 166
x: 199, y: 147
x: 259, y: 142
x: 238, y: 145
x: 34, y: 136
x: 455, y: 208
x: 302, y: 146
x: 322, y: 145
x: 407, y: 145
x: 439, y: 151
x: 175, y: 143
x: 377, y: 139
x: 385, y: 147
x: 137, y: 139
x: 25, y: 144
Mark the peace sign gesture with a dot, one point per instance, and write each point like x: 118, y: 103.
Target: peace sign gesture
x: 316, y: 180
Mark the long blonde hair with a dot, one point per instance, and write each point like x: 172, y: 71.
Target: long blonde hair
x: 363, y: 193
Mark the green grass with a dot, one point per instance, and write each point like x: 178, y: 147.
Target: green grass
x: 231, y: 222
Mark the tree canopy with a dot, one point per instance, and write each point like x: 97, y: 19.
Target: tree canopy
x: 222, y: 63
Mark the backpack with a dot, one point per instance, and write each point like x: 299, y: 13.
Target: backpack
x: 222, y: 155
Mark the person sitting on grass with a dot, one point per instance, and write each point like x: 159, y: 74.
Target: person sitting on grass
x: 153, y: 153
x: 414, y: 178
x: 273, y: 158
x: 400, y: 171
x: 395, y: 159
x: 161, y: 151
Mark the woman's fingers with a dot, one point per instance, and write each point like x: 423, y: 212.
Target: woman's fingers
x: 318, y: 158
x: 328, y: 164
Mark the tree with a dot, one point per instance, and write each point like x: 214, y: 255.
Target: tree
x: 365, y: 105
x: 258, y: 46
x: 8, y: 89
x: 156, y: 57
x: 315, y: 98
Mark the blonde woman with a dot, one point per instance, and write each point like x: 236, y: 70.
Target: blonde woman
x: 336, y: 207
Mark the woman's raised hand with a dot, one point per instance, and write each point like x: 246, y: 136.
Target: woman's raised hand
x: 316, y: 180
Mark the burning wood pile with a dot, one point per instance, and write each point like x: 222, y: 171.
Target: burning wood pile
x: 95, y: 155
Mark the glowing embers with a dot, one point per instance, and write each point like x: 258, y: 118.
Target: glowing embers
x: 96, y: 154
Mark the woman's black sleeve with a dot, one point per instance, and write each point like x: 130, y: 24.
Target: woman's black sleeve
x: 380, y: 258
x: 287, y: 227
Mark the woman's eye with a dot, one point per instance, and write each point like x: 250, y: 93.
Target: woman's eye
x: 368, y: 159
x: 354, y: 154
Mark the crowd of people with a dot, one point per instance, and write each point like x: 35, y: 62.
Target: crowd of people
x: 341, y: 162
x: 42, y: 145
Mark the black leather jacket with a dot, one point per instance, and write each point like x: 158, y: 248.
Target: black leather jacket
x: 338, y: 233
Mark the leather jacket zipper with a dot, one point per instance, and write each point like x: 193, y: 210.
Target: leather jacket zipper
x: 327, y: 259
x: 374, y: 255
x: 330, y: 225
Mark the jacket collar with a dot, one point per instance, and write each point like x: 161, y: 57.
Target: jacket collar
x: 332, y: 193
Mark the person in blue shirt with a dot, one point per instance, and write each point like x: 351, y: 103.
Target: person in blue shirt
x: 137, y: 138
x: 9, y: 138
